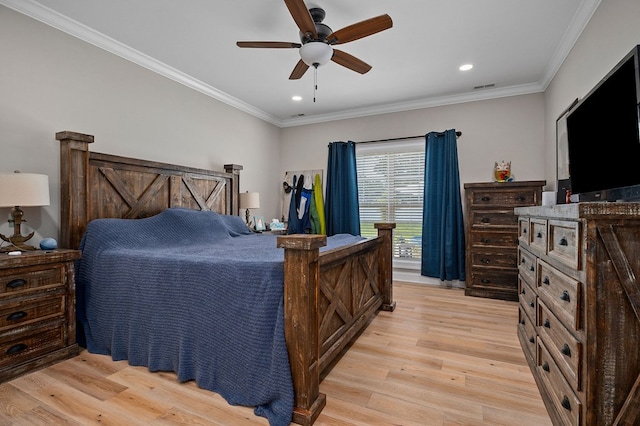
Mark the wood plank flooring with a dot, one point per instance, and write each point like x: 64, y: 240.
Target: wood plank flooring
x: 440, y: 359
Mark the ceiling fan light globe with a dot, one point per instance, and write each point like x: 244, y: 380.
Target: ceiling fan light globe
x: 316, y: 52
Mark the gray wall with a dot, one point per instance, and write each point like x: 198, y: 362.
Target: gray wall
x: 50, y: 81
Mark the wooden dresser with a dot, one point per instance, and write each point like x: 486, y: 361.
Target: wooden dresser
x: 492, y: 236
x: 579, y: 311
x: 37, y: 310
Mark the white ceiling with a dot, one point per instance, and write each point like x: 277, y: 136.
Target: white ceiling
x: 516, y: 45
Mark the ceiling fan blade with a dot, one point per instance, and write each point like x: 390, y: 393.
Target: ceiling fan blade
x: 302, y: 17
x: 350, y: 61
x: 361, y: 29
x: 299, y: 70
x: 269, y: 44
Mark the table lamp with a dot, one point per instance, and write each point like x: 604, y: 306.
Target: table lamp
x: 21, y: 190
x: 249, y: 200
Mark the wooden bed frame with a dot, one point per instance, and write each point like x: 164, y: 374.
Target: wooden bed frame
x: 329, y: 297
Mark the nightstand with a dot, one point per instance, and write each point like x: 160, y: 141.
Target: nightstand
x: 37, y: 310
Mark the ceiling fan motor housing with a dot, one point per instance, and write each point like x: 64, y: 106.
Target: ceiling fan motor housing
x: 323, y: 30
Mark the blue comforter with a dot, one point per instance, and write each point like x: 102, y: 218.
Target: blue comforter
x: 195, y: 293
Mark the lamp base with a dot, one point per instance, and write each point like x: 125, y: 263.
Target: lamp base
x: 16, y: 246
x: 17, y: 240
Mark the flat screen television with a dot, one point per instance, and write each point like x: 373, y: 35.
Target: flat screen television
x: 603, y: 137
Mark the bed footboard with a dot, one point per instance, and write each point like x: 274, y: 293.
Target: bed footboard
x: 329, y: 299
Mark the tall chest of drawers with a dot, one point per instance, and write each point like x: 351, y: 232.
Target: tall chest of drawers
x: 579, y: 309
x: 37, y: 310
x: 492, y: 236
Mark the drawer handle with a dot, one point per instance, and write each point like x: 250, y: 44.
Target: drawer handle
x: 16, y: 283
x: 565, y: 296
x: 524, y: 291
x: 485, y: 260
x: 485, y: 241
x: 485, y: 220
x: 547, y: 323
x: 523, y: 261
x: 16, y: 316
x: 531, y: 268
x: 522, y: 321
x: 566, y: 350
x: 532, y: 304
x: 524, y: 230
x: 546, y: 281
x: 532, y: 339
x: 16, y: 349
x: 565, y: 403
x: 539, y: 235
x: 563, y: 241
x: 520, y: 198
x: 485, y: 198
x: 485, y: 281
x: 545, y: 366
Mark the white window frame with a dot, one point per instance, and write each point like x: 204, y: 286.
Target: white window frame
x: 413, y: 244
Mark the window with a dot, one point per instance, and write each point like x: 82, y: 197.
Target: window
x: 390, y: 189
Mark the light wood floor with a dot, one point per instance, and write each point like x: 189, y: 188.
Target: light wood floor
x: 440, y: 359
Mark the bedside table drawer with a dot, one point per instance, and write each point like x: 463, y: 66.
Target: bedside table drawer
x: 25, y: 311
x: 14, y: 281
x: 27, y: 343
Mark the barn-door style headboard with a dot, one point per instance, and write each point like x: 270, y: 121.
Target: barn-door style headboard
x: 95, y: 185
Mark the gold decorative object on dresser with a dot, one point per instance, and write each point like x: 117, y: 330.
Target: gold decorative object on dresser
x: 37, y: 310
x: 492, y: 236
x: 579, y: 320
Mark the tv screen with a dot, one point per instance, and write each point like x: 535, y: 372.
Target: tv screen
x: 603, y: 137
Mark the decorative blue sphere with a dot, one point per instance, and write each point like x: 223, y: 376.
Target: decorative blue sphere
x: 48, y: 244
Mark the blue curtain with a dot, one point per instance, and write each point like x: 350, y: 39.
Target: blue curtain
x: 342, y: 211
x: 443, y: 245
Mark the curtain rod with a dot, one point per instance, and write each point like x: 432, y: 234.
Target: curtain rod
x: 458, y: 134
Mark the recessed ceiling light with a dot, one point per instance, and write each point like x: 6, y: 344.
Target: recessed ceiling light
x: 465, y: 67
x: 296, y: 98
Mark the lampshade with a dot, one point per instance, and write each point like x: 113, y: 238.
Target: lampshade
x: 316, y: 52
x: 24, y: 189
x: 249, y: 200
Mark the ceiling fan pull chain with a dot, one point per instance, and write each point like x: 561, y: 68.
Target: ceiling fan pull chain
x: 315, y: 82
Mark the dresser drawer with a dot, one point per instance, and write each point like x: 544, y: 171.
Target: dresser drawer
x: 538, y: 235
x: 23, y: 279
x: 496, y: 259
x: 560, y: 293
x: 557, y: 389
x: 527, y: 298
x: 527, y: 265
x: 565, y: 349
x: 504, y: 197
x: 493, y: 218
x: 564, y: 242
x: 27, y: 343
x: 494, y: 279
x: 523, y: 231
x: 27, y: 310
x: 527, y: 336
x: 502, y: 239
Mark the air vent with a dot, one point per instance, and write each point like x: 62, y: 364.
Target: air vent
x: 486, y: 86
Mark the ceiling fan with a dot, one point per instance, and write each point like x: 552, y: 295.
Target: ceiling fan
x: 317, y: 39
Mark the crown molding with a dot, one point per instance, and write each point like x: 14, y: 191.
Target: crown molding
x: 574, y: 30
x: 480, y: 95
